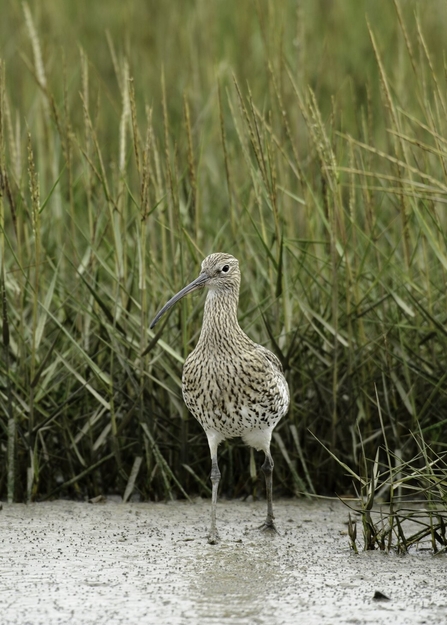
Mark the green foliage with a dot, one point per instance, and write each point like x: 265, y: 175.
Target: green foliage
x: 307, y: 139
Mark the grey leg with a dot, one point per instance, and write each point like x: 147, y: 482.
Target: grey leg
x: 215, y: 477
x: 267, y: 467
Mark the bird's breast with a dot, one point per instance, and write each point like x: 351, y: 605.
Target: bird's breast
x: 233, y: 393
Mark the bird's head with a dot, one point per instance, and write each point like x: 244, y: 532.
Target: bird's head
x: 219, y: 272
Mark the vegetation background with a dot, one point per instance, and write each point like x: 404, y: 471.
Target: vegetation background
x: 306, y: 137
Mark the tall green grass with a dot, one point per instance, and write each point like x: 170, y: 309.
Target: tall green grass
x: 134, y: 140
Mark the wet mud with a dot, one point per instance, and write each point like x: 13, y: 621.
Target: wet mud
x: 112, y: 563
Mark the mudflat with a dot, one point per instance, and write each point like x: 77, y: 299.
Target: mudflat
x: 113, y: 563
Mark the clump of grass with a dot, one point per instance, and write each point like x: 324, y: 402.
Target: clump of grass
x: 414, y: 512
x: 120, y: 183
x: 402, y: 503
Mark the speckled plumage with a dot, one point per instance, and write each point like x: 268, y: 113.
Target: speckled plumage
x: 232, y: 386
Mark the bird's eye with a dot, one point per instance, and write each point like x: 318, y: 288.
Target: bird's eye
x: 226, y: 268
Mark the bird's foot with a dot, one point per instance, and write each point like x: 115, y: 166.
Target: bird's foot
x: 269, y: 526
x: 213, y: 538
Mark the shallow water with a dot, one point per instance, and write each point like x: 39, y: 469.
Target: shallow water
x: 78, y: 563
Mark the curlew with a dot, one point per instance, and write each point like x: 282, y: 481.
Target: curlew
x: 231, y: 385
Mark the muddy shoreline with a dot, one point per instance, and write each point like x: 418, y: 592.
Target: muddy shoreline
x: 112, y: 563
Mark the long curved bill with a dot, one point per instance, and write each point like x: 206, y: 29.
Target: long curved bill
x: 198, y: 283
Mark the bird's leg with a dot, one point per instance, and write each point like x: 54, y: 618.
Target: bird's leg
x: 215, y: 477
x: 267, y: 467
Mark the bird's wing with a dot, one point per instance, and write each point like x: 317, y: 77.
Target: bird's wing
x: 271, y: 357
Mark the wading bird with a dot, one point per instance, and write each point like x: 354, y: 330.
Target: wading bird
x: 232, y: 386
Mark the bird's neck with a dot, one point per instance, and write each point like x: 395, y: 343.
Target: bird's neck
x: 220, y: 322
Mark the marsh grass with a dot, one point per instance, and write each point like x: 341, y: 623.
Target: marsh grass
x: 119, y: 181
x: 402, y: 505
